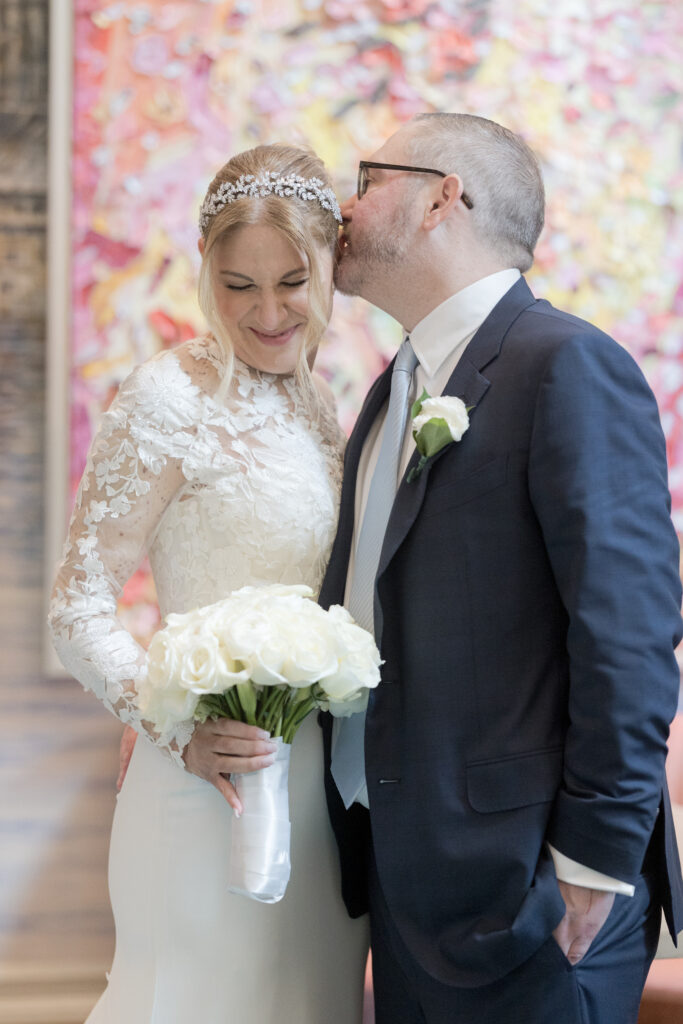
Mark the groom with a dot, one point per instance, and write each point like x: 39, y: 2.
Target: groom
x: 524, y: 591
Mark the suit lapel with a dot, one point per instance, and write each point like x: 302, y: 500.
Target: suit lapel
x: 466, y: 382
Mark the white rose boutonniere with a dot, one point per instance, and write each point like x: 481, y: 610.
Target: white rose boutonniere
x: 437, y: 422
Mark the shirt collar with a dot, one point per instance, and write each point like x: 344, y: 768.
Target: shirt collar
x: 454, y: 321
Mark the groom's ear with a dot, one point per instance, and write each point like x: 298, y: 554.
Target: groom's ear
x: 443, y: 201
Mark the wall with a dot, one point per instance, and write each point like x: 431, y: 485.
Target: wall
x: 57, y: 748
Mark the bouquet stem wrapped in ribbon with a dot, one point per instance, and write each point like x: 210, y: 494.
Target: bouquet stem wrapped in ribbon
x: 267, y: 656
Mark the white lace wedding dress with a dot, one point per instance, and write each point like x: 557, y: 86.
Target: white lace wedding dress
x: 221, y: 492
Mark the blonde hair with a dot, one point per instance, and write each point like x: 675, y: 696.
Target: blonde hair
x: 499, y: 172
x: 304, y: 223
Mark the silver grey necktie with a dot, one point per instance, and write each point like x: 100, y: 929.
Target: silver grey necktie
x: 348, y: 759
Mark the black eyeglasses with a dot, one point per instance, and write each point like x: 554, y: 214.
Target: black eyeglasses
x: 363, y: 176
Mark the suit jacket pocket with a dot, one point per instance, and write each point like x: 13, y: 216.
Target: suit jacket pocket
x: 517, y: 781
x: 453, y: 492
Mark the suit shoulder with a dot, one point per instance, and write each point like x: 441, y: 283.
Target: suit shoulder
x: 543, y: 317
x: 553, y: 332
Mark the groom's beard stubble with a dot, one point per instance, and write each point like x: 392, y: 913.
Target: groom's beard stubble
x: 365, y: 261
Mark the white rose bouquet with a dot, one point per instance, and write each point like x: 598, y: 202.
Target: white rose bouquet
x: 266, y: 656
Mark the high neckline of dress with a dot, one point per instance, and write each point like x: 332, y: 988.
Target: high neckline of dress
x: 268, y: 375
x: 218, y: 355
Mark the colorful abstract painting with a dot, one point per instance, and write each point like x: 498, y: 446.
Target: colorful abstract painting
x: 165, y: 91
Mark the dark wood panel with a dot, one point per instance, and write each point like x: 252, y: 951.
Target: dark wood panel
x: 58, y: 747
x: 23, y: 55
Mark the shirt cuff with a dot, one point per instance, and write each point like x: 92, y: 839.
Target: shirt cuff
x: 570, y: 871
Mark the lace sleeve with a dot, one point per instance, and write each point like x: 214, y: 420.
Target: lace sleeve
x: 133, y: 471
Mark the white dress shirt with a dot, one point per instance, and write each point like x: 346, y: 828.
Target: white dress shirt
x: 438, y: 342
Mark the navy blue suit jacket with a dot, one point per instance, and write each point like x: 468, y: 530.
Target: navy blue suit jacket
x: 527, y: 608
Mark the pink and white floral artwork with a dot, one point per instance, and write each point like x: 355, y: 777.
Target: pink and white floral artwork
x: 165, y: 92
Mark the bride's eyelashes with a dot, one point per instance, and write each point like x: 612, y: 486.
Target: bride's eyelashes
x: 246, y: 287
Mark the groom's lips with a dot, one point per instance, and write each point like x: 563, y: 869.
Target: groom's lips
x: 343, y: 244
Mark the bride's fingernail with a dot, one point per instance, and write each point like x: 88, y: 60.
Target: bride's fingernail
x: 236, y: 812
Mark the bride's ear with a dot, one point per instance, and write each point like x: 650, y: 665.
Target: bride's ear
x: 201, y: 245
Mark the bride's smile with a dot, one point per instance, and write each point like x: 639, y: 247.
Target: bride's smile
x: 261, y: 292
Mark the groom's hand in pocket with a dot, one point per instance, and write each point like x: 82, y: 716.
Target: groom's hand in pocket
x: 586, y: 912
x: 217, y: 749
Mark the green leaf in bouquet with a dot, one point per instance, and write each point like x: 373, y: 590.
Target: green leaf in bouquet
x: 232, y: 703
x: 209, y: 706
x: 300, y: 694
x: 269, y: 698
x: 247, y: 698
x: 271, y: 701
x: 218, y: 705
x: 297, y: 713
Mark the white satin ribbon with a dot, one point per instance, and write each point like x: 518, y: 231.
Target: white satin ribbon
x: 259, y: 856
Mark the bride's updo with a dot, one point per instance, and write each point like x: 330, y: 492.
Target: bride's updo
x: 308, y: 219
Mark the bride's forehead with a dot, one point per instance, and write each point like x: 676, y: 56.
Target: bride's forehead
x: 258, y: 244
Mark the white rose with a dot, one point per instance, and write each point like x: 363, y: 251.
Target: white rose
x: 177, y: 622
x: 312, y: 656
x: 355, y: 674
x: 163, y: 663
x: 233, y: 670
x: 267, y: 664
x: 165, y: 708
x: 452, y: 410
x: 359, y: 660
x: 249, y: 637
x: 346, y: 708
x: 202, y: 669
x: 337, y: 613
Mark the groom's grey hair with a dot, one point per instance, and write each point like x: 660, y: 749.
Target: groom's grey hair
x: 499, y: 173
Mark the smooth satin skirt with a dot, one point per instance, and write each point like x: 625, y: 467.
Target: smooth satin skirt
x: 187, y: 950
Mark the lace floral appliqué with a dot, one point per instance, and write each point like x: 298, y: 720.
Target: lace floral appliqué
x: 219, y: 494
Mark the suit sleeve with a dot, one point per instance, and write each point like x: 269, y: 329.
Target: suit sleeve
x: 598, y: 483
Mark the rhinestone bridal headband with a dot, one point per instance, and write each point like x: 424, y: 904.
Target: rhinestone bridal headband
x: 268, y: 184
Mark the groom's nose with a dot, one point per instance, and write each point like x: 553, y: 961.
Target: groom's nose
x: 347, y: 207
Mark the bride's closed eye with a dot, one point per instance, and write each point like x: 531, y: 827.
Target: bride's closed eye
x: 284, y: 284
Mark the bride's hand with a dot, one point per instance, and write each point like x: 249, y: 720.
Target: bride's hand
x: 219, y: 748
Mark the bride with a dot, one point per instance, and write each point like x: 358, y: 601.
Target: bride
x: 222, y: 460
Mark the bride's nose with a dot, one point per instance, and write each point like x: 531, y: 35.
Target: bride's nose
x: 271, y: 310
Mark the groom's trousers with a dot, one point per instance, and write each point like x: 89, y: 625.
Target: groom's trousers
x: 603, y: 988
